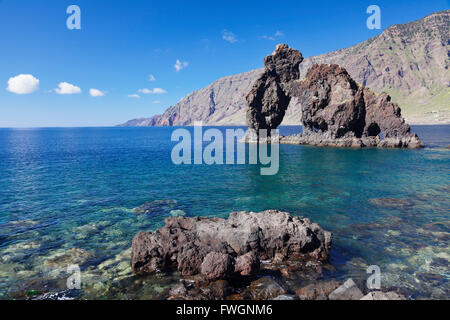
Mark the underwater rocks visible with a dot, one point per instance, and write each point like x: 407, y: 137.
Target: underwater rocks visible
x: 349, y: 290
x: 156, y: 206
x: 61, y: 295
x: 393, y: 203
x: 269, y: 287
x: 318, y: 290
x: 266, y: 288
x: 220, y: 248
x: 63, y: 258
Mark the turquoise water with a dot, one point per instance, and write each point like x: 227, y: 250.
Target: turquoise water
x: 67, y: 197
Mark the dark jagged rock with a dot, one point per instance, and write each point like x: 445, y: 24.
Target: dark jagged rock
x: 317, y: 290
x: 156, y: 206
x: 266, y: 288
x: 216, y: 290
x: 218, y: 248
x: 331, y: 102
x: 270, y: 95
x: 336, y: 111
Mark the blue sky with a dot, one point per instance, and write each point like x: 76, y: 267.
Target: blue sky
x: 122, y: 43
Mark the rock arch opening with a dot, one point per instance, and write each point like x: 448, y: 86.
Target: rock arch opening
x: 336, y: 111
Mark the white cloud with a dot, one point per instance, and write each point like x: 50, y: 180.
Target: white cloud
x: 23, y: 84
x: 145, y: 91
x: 154, y: 91
x: 180, y: 65
x: 278, y: 34
x: 96, y: 93
x: 229, y: 36
x: 67, y: 88
x: 151, y: 77
x: 159, y: 91
x: 134, y: 96
x: 156, y: 101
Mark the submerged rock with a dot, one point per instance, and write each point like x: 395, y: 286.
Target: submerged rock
x: 177, y: 213
x: 63, y: 258
x: 185, y: 243
x: 157, y: 206
x: 266, y: 288
x: 61, y: 295
x: 216, y: 290
x: 317, y: 290
x: 393, y: 203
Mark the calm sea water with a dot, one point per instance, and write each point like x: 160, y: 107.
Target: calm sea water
x: 67, y: 197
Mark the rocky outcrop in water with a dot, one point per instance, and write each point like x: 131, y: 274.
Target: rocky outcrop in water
x: 220, y: 248
x: 336, y: 111
x: 270, y: 95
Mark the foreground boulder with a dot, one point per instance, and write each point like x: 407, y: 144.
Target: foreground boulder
x: 219, y: 248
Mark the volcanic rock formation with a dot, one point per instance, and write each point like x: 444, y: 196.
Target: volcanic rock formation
x: 336, y: 111
x: 270, y: 95
x: 219, y: 248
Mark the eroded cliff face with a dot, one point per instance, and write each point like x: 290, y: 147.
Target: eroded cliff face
x: 336, y: 111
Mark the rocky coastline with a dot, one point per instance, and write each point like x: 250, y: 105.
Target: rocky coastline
x: 249, y: 256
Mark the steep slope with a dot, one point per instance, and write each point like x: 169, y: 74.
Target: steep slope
x: 408, y: 61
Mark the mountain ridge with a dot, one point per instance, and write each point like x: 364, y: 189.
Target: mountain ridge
x: 408, y: 61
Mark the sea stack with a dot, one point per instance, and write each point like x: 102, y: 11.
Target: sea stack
x: 336, y: 111
x: 271, y: 93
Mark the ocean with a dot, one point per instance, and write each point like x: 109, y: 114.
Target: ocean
x: 68, y: 196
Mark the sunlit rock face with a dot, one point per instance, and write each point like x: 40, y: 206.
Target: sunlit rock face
x: 336, y: 111
x: 335, y: 107
x: 270, y: 95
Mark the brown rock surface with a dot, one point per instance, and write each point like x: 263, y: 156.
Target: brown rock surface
x: 337, y: 111
x: 269, y: 97
x: 217, y: 265
x: 318, y: 290
x: 184, y: 243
